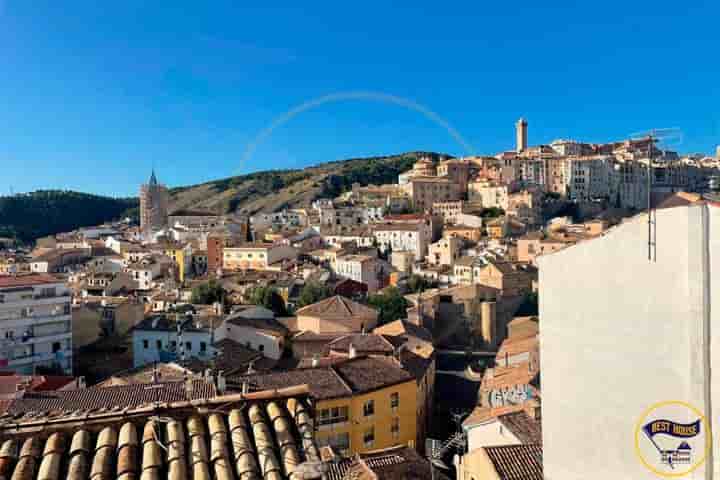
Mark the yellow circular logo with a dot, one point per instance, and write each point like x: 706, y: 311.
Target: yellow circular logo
x: 672, y: 438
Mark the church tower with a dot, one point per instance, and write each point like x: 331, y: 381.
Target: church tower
x: 521, y: 128
x: 153, y: 206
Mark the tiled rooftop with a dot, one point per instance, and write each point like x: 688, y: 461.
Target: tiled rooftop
x: 264, y: 435
x: 517, y: 462
x: 334, y: 307
x: 334, y: 380
x: 396, y: 463
x: 27, y: 280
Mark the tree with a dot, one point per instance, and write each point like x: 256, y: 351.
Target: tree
x: 313, y: 292
x: 492, y: 212
x: 207, y: 293
x: 391, y: 305
x: 529, y: 307
x: 269, y: 298
x: 417, y: 283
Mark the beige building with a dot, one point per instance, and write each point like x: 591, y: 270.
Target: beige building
x: 526, y: 206
x: 467, y: 232
x: 449, y: 211
x: 425, y: 191
x: 502, y: 463
x: 336, y: 315
x: 489, y: 194
x: 101, y: 318
x: 257, y: 256
x: 510, y: 279
x: 457, y: 170
x: 445, y: 251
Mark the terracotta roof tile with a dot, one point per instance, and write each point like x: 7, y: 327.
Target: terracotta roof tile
x: 336, y: 306
x: 260, y: 435
x: 517, y: 462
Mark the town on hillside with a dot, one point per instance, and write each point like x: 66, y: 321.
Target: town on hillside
x: 396, y: 331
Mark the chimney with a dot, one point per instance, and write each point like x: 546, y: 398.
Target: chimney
x: 221, y: 382
x: 189, y: 387
x: 352, y: 353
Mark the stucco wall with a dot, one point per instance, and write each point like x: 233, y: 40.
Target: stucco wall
x: 618, y: 334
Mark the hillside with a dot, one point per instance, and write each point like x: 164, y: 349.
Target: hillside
x: 278, y: 189
x: 32, y: 215
x: 46, y: 212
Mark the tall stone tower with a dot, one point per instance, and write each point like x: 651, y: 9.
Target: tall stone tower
x: 153, y: 206
x: 521, y: 135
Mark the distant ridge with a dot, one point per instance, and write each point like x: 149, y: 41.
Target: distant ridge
x: 29, y: 216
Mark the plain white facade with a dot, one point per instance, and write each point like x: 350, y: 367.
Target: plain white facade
x: 620, y: 333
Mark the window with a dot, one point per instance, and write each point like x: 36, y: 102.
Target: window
x: 261, y: 348
x: 146, y: 344
x: 334, y: 415
x: 158, y: 344
x: 395, y: 428
x: 369, y: 408
x: 203, y: 347
x: 56, y: 347
x: 188, y: 346
x: 394, y: 401
x: 369, y: 437
x: 173, y: 345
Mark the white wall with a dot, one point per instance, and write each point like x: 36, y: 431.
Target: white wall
x: 489, y: 434
x: 254, y: 339
x: 618, y: 334
x: 143, y: 356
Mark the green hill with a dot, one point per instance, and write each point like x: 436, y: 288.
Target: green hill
x: 46, y: 212
x: 277, y: 189
x: 32, y: 215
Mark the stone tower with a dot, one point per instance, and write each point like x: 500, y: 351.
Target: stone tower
x: 521, y: 135
x: 153, y: 206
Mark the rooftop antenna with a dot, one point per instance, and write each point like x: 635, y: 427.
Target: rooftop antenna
x: 664, y: 137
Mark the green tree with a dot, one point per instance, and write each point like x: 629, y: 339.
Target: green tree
x: 29, y: 216
x: 492, y: 212
x: 529, y: 307
x: 269, y: 298
x: 417, y: 283
x: 390, y: 304
x: 207, y: 293
x: 313, y: 292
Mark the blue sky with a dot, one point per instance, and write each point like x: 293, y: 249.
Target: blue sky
x: 96, y: 93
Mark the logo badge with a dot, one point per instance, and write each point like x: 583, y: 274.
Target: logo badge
x: 672, y: 438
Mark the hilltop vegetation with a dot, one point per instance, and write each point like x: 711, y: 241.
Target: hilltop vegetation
x: 277, y: 189
x: 27, y: 217
x: 32, y: 215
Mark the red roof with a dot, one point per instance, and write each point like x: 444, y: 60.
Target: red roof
x: 27, y: 280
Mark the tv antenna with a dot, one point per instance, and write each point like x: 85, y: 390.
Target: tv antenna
x: 663, y: 138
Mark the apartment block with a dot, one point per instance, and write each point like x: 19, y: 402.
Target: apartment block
x: 35, y: 324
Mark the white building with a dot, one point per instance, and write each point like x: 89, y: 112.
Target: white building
x: 488, y: 194
x: 402, y: 237
x: 361, y: 268
x: 156, y: 339
x: 145, y: 271
x: 257, y: 329
x: 590, y: 178
x: 627, y: 334
x: 35, y: 324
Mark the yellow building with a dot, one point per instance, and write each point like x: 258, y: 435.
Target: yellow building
x: 361, y: 403
x: 181, y: 256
